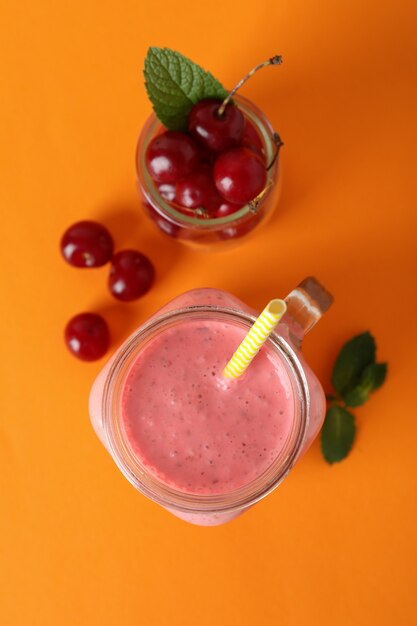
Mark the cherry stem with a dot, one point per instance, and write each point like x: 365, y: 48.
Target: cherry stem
x: 201, y: 212
x: 278, y: 144
x: 254, y: 204
x: 275, y: 60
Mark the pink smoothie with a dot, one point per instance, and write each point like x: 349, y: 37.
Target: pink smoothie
x: 192, y: 428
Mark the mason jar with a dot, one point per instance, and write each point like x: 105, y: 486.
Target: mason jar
x: 195, y: 230
x: 306, y: 400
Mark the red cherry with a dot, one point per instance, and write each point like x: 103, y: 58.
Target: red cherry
x: 198, y: 190
x: 131, y: 275
x: 217, y: 133
x: 207, y: 157
x: 171, y: 156
x: 87, y: 244
x: 162, y: 222
x: 239, y: 230
x: 167, y: 191
x: 239, y: 175
x: 227, y: 208
x: 87, y: 336
x: 242, y: 227
x: 251, y: 139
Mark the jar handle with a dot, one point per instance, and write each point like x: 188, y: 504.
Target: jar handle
x: 305, y: 306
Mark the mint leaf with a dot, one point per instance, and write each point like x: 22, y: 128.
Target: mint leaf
x: 356, y: 396
x: 174, y: 84
x: 353, y: 358
x: 337, y: 434
x: 372, y: 378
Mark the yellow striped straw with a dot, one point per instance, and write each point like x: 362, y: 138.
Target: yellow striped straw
x: 255, y: 338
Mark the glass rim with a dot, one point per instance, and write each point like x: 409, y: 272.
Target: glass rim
x: 149, y: 484
x: 149, y: 190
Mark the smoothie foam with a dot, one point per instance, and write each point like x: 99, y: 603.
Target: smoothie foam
x: 192, y: 428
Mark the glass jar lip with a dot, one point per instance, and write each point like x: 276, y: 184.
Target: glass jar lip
x: 158, y: 203
x: 156, y: 489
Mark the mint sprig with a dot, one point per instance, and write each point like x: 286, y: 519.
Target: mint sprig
x: 174, y: 84
x: 356, y: 374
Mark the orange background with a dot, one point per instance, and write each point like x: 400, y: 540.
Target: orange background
x: 333, y: 545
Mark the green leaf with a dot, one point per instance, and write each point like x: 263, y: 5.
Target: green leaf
x: 353, y: 358
x: 356, y: 396
x: 174, y: 84
x: 337, y: 434
x: 372, y: 378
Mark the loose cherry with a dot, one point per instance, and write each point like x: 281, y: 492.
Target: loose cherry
x: 87, y: 244
x: 171, y: 156
x: 239, y: 175
x: 131, y: 275
x: 216, y: 132
x: 87, y: 336
x: 198, y: 190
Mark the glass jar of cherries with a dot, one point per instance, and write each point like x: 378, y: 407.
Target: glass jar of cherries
x: 216, y: 183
